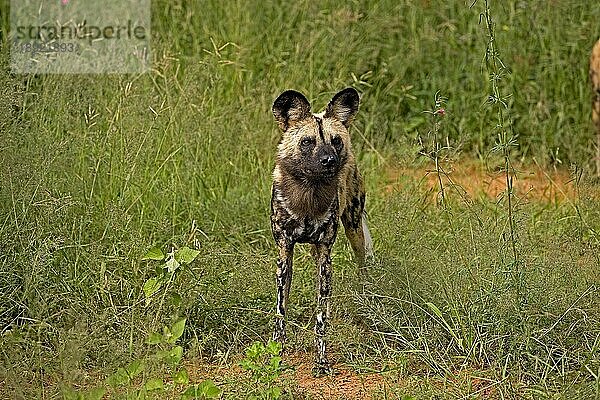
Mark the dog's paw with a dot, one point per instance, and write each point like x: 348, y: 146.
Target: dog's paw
x: 321, y: 369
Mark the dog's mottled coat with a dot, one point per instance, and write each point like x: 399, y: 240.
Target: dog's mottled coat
x: 316, y: 183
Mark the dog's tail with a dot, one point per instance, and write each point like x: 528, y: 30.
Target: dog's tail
x: 367, y: 236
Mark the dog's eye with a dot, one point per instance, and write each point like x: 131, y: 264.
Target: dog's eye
x: 336, y: 141
x: 307, y: 141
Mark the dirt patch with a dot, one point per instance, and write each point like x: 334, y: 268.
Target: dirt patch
x: 471, y: 179
x: 344, y: 384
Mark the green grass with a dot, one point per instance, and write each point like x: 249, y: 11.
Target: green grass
x: 95, y: 170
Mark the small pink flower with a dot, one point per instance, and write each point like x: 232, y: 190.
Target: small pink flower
x: 64, y: 2
x: 441, y: 112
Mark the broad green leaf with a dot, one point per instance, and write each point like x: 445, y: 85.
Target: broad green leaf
x: 154, y: 254
x: 275, y: 361
x: 154, y: 338
x: 273, y: 393
x: 95, y: 393
x: 190, y: 393
x: 154, y: 384
x: 176, y: 299
x: 246, y: 364
x: 119, y: 378
x: 176, y: 330
x: 209, y: 389
x: 181, y: 377
x: 140, y: 394
x: 135, y: 368
x: 204, y: 390
x: 255, y: 350
x: 172, y: 356
x: 151, y: 286
x: 273, y: 347
x: 185, y: 255
x: 71, y: 394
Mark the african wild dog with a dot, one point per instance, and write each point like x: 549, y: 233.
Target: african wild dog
x: 595, y: 78
x: 315, y: 183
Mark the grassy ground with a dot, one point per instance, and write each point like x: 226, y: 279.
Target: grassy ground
x: 96, y: 170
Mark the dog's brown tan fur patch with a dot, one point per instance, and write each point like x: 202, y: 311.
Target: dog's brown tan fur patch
x: 595, y: 79
x: 315, y: 184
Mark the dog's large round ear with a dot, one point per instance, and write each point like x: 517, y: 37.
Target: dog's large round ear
x: 290, y: 107
x: 343, y: 106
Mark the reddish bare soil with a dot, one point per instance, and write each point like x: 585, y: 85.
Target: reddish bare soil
x: 473, y: 180
x: 344, y: 384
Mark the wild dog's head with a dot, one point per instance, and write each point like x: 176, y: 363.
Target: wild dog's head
x: 314, y: 147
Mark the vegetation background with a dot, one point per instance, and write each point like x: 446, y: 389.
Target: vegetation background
x: 97, y: 169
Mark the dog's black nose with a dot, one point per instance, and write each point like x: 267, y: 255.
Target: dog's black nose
x: 328, y: 160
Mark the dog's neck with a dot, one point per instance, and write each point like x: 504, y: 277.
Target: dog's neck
x: 306, y: 199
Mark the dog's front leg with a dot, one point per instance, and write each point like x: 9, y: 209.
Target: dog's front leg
x: 323, y: 261
x: 284, y: 281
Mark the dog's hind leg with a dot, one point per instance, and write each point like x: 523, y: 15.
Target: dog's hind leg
x: 357, y: 232
x: 284, y: 281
